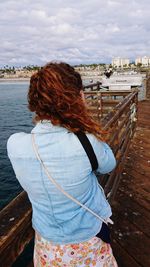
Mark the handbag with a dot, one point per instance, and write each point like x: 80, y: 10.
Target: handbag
x: 94, y: 163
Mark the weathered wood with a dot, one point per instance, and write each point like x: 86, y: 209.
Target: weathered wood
x: 132, y: 202
x: 121, y: 135
x: 124, y: 259
x: 132, y: 240
x: 134, y: 212
x: 148, y: 85
x: 15, y: 229
x: 105, y: 100
x: 30, y: 264
x: 120, y: 128
x: 140, y: 195
x: 119, y: 110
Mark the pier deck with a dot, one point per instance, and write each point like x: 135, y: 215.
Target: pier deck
x: 131, y: 232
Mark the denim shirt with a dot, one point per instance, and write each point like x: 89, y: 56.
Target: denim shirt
x: 55, y: 217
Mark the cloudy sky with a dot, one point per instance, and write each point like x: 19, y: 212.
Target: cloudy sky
x: 74, y: 31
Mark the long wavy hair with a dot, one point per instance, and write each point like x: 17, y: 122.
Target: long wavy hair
x: 55, y: 94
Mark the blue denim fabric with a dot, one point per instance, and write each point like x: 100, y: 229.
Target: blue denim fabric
x: 55, y: 217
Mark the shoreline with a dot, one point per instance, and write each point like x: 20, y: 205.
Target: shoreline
x: 10, y: 80
x: 4, y: 80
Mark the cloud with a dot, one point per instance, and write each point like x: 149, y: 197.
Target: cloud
x: 35, y: 32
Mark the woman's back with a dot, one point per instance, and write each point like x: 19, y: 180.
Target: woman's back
x: 69, y: 165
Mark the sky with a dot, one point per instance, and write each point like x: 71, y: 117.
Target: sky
x: 73, y: 31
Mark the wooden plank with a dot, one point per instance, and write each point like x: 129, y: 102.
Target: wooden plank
x: 30, y: 264
x: 137, y: 140
x: 143, y: 124
x: 108, y: 93
x: 140, y: 181
x: 138, y: 169
x: 120, y: 108
x: 140, y: 162
x: 138, y: 195
x: 20, y: 239
x: 110, y: 102
x: 132, y: 208
x: 131, y: 239
x: 141, y: 153
x: 15, y: 229
x: 123, y: 258
x: 124, y: 199
x: 26, y: 258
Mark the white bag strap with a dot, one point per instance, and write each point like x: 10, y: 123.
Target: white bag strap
x: 60, y: 188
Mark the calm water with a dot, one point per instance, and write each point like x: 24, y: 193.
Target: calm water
x: 14, y: 117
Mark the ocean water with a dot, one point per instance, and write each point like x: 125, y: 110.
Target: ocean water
x: 14, y: 117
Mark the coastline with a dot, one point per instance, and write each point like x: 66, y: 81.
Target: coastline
x: 15, y: 80
x: 5, y: 80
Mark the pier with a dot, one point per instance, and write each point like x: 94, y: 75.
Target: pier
x: 127, y: 187
x: 131, y: 208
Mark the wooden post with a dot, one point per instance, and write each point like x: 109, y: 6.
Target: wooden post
x: 100, y: 111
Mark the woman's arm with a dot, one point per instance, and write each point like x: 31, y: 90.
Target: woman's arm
x: 105, y: 157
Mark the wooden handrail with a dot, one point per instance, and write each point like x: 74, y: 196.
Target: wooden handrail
x: 119, y: 109
x: 16, y: 230
x: 125, y: 115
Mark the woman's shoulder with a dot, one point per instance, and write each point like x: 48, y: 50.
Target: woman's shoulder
x: 17, y: 141
x: 16, y: 137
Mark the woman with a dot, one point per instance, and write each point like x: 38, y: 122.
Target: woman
x: 52, y: 166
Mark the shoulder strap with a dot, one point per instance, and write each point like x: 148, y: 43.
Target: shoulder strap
x: 35, y: 148
x: 88, y: 149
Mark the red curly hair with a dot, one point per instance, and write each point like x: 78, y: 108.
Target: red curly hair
x: 54, y: 94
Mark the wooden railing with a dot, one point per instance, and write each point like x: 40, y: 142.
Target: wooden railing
x: 121, y: 125
x: 15, y: 219
x: 102, y: 101
x: 148, y: 85
x: 117, y: 112
x: 15, y: 229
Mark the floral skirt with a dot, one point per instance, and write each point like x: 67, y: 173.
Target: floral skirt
x: 93, y: 252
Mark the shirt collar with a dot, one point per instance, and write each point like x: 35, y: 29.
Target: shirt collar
x: 45, y: 126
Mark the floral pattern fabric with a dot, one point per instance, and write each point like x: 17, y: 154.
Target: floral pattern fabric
x: 93, y: 252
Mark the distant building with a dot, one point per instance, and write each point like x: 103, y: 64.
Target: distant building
x: 144, y: 61
x: 120, y: 62
x: 138, y: 61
